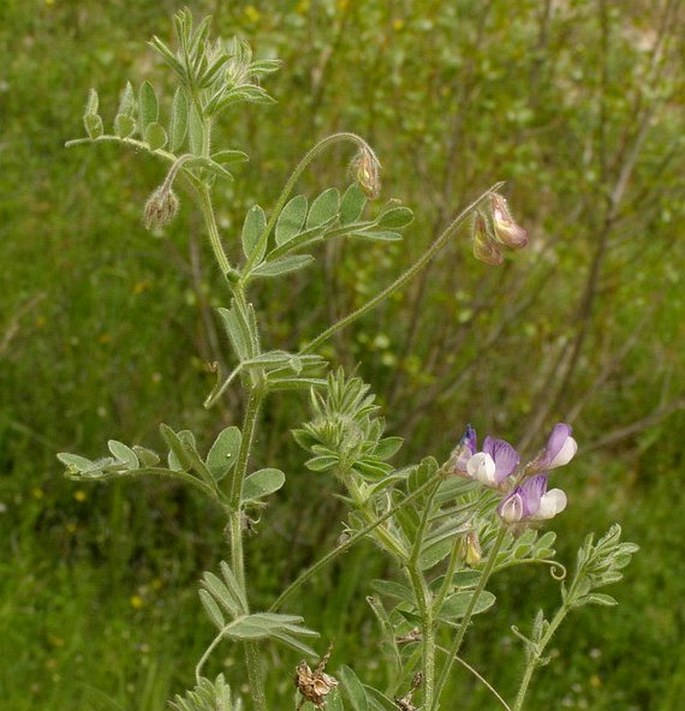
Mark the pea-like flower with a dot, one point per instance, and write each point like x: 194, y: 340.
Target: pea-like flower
x: 559, y: 450
x: 506, y: 230
x: 491, y: 466
x: 532, y: 502
x: 485, y: 246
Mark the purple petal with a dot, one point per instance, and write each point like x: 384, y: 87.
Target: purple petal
x: 470, y: 439
x: 560, y: 433
x: 532, y: 491
x: 506, y: 458
x: 464, y: 450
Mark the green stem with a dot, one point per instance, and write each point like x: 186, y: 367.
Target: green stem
x: 480, y: 678
x: 449, y: 575
x: 404, y: 278
x: 138, y: 145
x: 423, y: 599
x: 171, y: 474
x: 463, y: 626
x: 323, y: 562
x: 536, y: 652
x: 212, y: 229
x: 290, y: 185
x: 236, y: 484
x: 534, y: 659
x: 382, y: 534
x: 255, y: 675
x: 206, y: 655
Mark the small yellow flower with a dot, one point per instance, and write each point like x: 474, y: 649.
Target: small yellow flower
x: 80, y: 495
x: 37, y: 492
x: 136, y: 602
x: 252, y: 13
x: 397, y: 24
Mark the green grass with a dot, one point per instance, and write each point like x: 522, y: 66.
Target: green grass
x: 105, y: 330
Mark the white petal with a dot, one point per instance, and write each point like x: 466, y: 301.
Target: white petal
x: 565, y: 454
x: 482, y: 467
x: 511, y: 510
x: 551, y: 504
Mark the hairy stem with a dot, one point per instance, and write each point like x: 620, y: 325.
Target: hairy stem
x: 404, y: 278
x: 535, y: 656
x: 482, y: 582
x: 255, y: 675
x: 290, y: 185
x: 363, y: 532
x: 212, y: 229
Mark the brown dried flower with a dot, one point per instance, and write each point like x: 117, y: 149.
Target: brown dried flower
x: 485, y: 248
x: 414, y: 635
x: 506, y: 230
x: 367, y: 170
x: 404, y: 703
x: 314, y: 685
x: 161, y: 208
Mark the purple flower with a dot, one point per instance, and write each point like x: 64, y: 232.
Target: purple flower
x: 560, y: 449
x: 491, y: 466
x: 494, y: 463
x: 532, y: 502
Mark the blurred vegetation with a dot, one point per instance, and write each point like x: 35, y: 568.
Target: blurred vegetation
x: 105, y: 329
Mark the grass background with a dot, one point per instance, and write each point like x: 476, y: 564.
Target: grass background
x: 105, y: 328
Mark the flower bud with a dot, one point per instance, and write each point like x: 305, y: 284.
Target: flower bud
x: 367, y: 171
x: 160, y: 209
x: 472, y: 551
x: 507, y: 232
x: 485, y: 248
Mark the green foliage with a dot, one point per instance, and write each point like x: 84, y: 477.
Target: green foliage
x: 103, y: 332
x: 345, y: 434
x: 207, y: 696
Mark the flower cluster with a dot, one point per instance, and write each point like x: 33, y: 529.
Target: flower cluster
x: 497, y: 465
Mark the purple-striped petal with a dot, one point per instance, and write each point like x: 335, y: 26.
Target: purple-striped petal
x: 532, y: 502
x: 561, y: 447
x: 506, y: 458
x: 532, y: 491
x: 559, y: 450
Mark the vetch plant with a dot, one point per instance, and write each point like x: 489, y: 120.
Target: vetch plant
x: 448, y: 528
